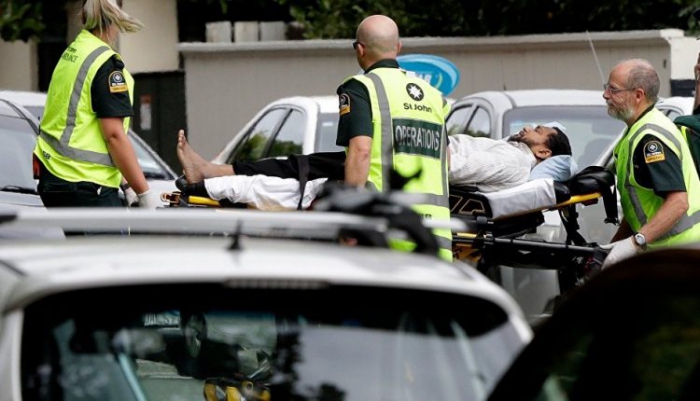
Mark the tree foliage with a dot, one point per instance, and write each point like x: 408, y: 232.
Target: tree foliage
x: 326, y: 19
x: 338, y: 18
x: 20, y: 19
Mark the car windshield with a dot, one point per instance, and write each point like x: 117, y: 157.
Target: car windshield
x: 327, y: 132
x: 589, y: 128
x: 266, y: 341
x: 17, y: 138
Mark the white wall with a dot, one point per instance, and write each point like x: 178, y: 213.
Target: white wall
x: 154, y: 48
x: 18, y: 66
x: 226, y: 84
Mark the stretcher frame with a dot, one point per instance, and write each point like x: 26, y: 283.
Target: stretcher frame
x: 489, y: 242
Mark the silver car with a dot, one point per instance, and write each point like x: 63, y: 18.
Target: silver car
x: 160, y: 176
x: 293, y: 125
x: 281, y: 311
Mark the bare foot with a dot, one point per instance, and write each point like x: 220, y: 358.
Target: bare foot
x: 193, y: 165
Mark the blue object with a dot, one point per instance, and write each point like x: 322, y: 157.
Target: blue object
x: 438, y: 71
x: 559, y: 168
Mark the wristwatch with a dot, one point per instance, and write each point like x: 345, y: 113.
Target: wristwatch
x: 640, y: 240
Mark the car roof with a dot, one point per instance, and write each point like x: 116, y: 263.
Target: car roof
x: 35, y: 269
x: 540, y: 97
x: 59, y: 266
x: 684, y: 103
x: 24, y: 98
x: 326, y: 104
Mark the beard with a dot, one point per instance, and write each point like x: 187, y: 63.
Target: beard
x: 620, y: 113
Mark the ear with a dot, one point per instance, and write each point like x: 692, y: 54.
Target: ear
x: 543, y: 153
x: 398, y: 48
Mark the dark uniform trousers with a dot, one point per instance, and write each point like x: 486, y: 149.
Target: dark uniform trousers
x: 57, y: 192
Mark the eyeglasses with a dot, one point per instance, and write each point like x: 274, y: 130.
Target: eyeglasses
x: 355, y: 43
x: 607, y: 87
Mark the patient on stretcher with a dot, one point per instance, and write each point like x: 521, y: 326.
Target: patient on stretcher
x: 488, y: 165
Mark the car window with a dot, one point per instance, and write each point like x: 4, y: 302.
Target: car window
x: 253, y: 145
x: 589, y: 128
x: 672, y: 113
x: 266, y: 341
x: 15, y: 156
x: 290, y: 138
x: 480, y: 124
x: 457, y: 120
x: 327, y: 133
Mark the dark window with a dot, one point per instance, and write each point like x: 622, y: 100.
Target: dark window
x: 253, y: 146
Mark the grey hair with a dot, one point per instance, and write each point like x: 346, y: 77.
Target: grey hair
x: 100, y: 14
x: 643, y: 75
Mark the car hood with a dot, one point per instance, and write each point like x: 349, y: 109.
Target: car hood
x: 12, y: 199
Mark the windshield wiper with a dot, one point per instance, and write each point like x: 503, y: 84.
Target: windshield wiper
x: 18, y: 189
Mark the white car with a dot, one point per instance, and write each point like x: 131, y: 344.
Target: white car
x: 292, y: 125
x: 158, y: 173
x: 280, y: 316
x: 498, y: 114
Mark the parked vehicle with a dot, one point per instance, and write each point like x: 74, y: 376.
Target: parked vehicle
x: 159, y: 175
x: 293, y: 125
x: 18, y: 131
x: 631, y: 333
x: 592, y: 133
x: 243, y: 304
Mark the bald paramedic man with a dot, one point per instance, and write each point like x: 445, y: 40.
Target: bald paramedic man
x: 83, y: 150
x: 656, y: 177
x: 389, y: 119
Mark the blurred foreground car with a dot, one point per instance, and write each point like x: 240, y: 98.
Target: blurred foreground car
x: 159, y: 175
x: 631, y: 333
x: 279, y: 316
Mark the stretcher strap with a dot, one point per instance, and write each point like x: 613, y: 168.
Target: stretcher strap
x: 303, y: 165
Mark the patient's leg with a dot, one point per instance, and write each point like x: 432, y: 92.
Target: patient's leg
x: 194, y: 166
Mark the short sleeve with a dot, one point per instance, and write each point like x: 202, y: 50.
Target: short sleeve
x: 110, y: 91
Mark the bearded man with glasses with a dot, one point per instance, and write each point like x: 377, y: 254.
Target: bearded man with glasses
x: 656, y: 176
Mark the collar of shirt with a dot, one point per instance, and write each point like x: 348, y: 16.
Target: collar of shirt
x: 527, y: 151
x: 386, y: 63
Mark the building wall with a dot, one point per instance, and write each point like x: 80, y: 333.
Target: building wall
x: 18, y: 67
x: 154, y: 48
x: 226, y: 84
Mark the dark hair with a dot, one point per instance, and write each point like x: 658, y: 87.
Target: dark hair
x: 558, y: 143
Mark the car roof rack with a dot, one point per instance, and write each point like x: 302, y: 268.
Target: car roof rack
x: 366, y: 218
x: 200, y: 220
x: 315, y: 225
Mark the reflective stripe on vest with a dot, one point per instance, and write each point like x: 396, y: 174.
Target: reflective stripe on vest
x: 388, y: 152
x: 687, y: 221
x: 62, y: 146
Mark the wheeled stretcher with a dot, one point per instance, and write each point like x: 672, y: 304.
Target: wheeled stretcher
x: 497, y: 222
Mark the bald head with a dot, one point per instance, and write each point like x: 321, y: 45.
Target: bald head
x: 380, y: 36
x: 639, y: 73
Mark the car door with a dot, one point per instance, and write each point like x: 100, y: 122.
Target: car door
x: 472, y: 117
x: 255, y: 142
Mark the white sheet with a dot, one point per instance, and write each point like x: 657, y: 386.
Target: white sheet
x: 532, y: 195
x: 262, y: 192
